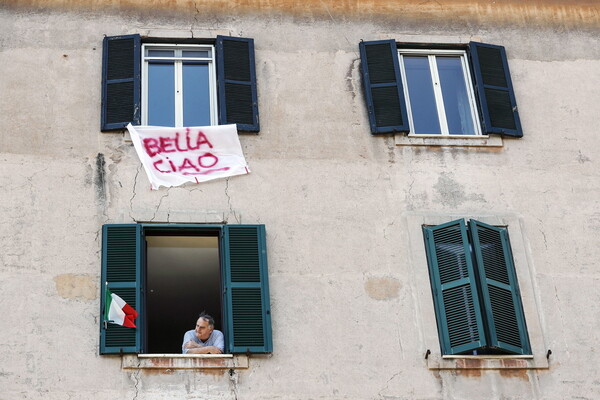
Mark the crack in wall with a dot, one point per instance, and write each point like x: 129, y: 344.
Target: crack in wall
x: 134, y: 193
x: 335, y: 22
x: 159, y: 204
x: 195, y: 19
x: 231, y: 212
x: 136, y: 377
x: 543, y: 234
x: 387, y: 383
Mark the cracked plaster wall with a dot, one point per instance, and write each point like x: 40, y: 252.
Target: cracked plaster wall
x: 331, y: 195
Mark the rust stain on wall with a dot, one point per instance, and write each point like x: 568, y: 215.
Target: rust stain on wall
x: 71, y: 286
x: 469, y: 367
x: 576, y: 13
x: 518, y: 373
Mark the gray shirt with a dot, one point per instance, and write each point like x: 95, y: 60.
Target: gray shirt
x: 215, y: 339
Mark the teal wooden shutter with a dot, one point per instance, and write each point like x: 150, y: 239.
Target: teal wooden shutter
x: 495, y: 91
x: 382, y: 83
x: 121, y: 269
x: 499, y: 288
x: 454, y: 286
x: 248, y: 312
x: 236, y: 82
x: 121, y: 85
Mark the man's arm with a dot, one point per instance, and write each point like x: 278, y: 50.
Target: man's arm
x: 205, y: 350
x: 219, y: 341
x: 187, y: 342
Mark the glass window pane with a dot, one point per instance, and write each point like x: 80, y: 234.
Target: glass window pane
x: 160, y: 53
x: 196, y: 53
x: 421, y: 96
x: 196, y: 95
x: 456, y: 99
x: 161, y: 94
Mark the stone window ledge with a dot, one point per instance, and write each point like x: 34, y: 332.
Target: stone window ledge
x: 438, y: 140
x: 486, y: 362
x: 184, y: 361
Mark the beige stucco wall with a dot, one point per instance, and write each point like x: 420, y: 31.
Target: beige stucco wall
x: 335, y: 200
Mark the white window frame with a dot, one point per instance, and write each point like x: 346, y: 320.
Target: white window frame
x: 178, y: 62
x: 431, y: 55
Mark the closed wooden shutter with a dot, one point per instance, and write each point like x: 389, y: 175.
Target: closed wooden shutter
x: 454, y: 286
x: 499, y: 288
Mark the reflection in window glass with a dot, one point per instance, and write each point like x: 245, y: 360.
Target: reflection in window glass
x: 160, y: 53
x: 196, y: 100
x: 161, y: 94
x: 421, y: 95
x: 196, y: 54
x: 454, y: 93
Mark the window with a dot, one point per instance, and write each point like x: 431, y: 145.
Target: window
x: 474, y: 284
x: 440, y: 91
x: 190, y: 83
x: 438, y: 98
x: 170, y: 273
x: 178, y: 85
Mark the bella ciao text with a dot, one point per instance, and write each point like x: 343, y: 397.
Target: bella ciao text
x: 191, y: 153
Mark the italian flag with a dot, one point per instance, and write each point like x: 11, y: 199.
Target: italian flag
x: 118, y: 312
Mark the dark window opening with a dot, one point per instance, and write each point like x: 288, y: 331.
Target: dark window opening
x: 183, y: 277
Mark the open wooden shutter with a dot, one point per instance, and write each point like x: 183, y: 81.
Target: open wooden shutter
x: 246, y: 292
x: 495, y: 90
x: 382, y: 83
x: 121, y: 269
x: 120, y: 81
x: 499, y: 288
x: 453, y: 281
x: 236, y: 82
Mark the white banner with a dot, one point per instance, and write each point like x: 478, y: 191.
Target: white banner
x: 173, y: 156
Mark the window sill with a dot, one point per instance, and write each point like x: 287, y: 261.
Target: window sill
x: 486, y: 362
x: 446, y: 140
x: 184, y: 361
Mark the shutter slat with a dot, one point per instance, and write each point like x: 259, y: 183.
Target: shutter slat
x: 383, y: 87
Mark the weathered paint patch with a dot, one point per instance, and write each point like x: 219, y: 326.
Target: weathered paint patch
x: 384, y: 288
x: 451, y: 193
x: 577, y: 13
x: 71, y: 286
x: 99, y: 180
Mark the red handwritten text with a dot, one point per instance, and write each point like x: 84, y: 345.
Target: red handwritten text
x: 179, y: 143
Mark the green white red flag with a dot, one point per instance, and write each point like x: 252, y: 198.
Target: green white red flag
x: 117, y: 311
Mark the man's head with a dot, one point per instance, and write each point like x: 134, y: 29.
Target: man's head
x: 204, y: 326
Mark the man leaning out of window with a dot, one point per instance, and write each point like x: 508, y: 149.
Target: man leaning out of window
x: 205, y: 339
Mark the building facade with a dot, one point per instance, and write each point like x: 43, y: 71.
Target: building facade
x: 357, y: 209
